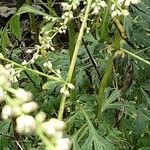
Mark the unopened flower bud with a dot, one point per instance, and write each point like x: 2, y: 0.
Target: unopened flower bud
x: 49, y: 129
x: 25, y: 124
x: 40, y: 117
x: 63, y: 144
x: 71, y: 86
x: 58, y: 124
x: 64, y: 91
x: 6, y: 112
x: 16, y: 111
x: 29, y: 107
x: 4, y: 80
x: 23, y: 95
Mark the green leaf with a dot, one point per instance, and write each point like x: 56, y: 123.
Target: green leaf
x: 15, y: 27
x: 115, y: 94
x: 94, y: 140
x: 5, y: 41
x: 49, y: 84
x: 4, y: 128
x: 29, y: 9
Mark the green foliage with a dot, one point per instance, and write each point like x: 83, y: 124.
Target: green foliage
x: 110, y: 106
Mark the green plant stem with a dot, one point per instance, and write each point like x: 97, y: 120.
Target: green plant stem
x: 137, y: 57
x: 45, y: 139
x: 32, y: 70
x: 33, y: 24
x: 72, y: 42
x: 74, y: 58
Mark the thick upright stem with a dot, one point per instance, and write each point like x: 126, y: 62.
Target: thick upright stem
x: 74, y: 57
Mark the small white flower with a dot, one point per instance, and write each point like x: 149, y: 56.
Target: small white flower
x: 25, y: 124
x: 48, y: 64
x: 64, y: 91
x: 125, y: 12
x: 65, y: 6
x: 93, y: 5
x: 24, y: 62
x: 29, y: 51
x: 63, y: 144
x: 114, y: 13
x: 6, y: 112
x: 113, y: 7
x: 29, y: 107
x: 103, y: 4
x: 96, y: 10
x: 52, y: 48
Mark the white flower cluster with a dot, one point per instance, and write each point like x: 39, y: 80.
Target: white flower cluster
x: 68, y: 12
x: 33, y: 59
x: 48, y: 65
x: 8, y: 75
x: 54, y: 130
x: 120, y: 7
x: 97, y: 5
x: 46, y: 41
x: 19, y: 105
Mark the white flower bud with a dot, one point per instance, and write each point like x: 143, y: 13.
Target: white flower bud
x: 103, y: 4
x: 4, y: 81
x: 29, y: 107
x: 64, y: 91
x: 49, y: 129
x: 63, y: 144
x: 16, y: 111
x: 58, y: 124
x: 125, y: 12
x: 71, y: 86
x: 113, y: 7
x: 8, y: 66
x: 93, y: 5
x: 23, y: 95
x: 127, y: 3
x: 48, y: 64
x: 6, y: 112
x: 2, y: 95
x: 40, y: 117
x: 25, y: 124
x: 24, y: 62
x: 135, y: 1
